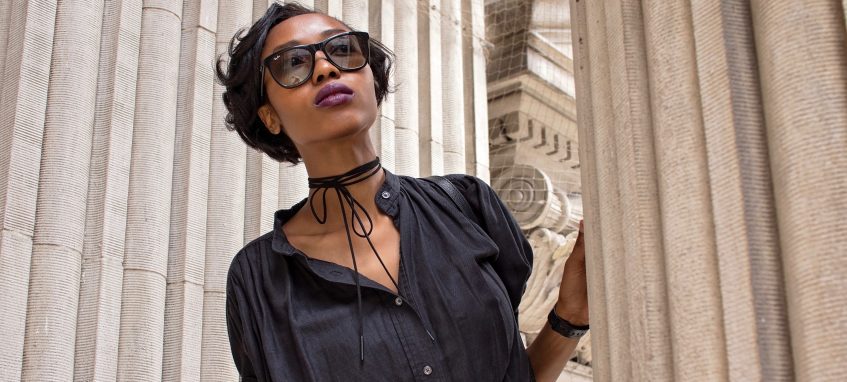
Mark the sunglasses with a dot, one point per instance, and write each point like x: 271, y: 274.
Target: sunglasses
x: 293, y: 66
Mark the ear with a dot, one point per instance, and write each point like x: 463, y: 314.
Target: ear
x: 269, y: 117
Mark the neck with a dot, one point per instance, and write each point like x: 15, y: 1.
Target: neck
x: 337, y: 160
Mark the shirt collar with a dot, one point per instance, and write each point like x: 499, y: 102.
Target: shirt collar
x: 386, y: 199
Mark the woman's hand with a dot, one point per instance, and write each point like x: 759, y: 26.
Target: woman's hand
x: 550, y: 351
x: 573, y: 293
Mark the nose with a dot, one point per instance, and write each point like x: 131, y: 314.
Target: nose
x: 324, y: 70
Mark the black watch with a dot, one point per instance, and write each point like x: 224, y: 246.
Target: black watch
x: 565, y: 328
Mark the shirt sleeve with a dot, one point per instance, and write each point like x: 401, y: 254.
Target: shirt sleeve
x: 513, y: 264
x: 235, y: 328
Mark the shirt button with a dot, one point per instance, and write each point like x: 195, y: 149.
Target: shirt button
x: 427, y: 370
x: 386, y: 194
x: 398, y: 301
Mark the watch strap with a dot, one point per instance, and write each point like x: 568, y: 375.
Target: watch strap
x: 565, y: 328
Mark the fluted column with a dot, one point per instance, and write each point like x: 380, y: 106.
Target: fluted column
x: 330, y: 7
x: 22, y: 103
x: 62, y: 192
x: 225, y: 207
x: 5, y: 20
x: 691, y: 266
x: 382, y: 133
x: 148, y: 210
x: 476, y: 84
x: 720, y: 137
x: 187, y: 248
x: 429, y: 81
x: 584, y: 72
x: 614, y: 270
x: 452, y: 100
x: 293, y: 184
x: 752, y: 290
x: 803, y: 71
x: 103, y: 250
x: 261, y: 194
x: 355, y: 13
x: 403, y: 21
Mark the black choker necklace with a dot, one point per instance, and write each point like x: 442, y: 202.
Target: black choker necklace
x: 340, y: 183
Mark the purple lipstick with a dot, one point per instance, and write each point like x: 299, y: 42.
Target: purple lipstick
x: 333, y: 94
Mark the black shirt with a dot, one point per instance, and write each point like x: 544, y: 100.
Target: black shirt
x: 294, y: 318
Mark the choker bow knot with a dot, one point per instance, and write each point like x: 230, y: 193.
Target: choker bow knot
x: 339, y: 183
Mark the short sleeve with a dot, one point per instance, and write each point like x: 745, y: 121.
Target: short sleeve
x: 513, y: 264
x: 235, y: 328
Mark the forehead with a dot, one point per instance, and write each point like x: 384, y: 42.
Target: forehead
x: 303, y: 29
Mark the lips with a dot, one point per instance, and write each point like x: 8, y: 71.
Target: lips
x: 334, y: 93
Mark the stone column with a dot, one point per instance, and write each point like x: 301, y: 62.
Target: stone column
x: 429, y: 82
x: 105, y: 225
x: 752, y: 290
x: 22, y: 103
x: 333, y: 8
x: 62, y: 193
x: 452, y: 101
x: 187, y: 248
x: 261, y: 194
x: 802, y: 57
x: 380, y: 26
x: 701, y: 134
x: 224, y: 208
x: 476, y: 90
x: 149, y: 199
x: 403, y: 25
x: 5, y: 20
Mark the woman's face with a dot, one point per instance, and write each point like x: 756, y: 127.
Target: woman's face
x: 305, y: 115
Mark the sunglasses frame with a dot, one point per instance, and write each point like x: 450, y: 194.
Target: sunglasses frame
x: 313, y: 49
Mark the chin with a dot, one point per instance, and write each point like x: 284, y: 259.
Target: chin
x: 341, y: 124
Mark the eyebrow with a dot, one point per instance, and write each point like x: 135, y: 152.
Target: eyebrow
x: 325, y: 34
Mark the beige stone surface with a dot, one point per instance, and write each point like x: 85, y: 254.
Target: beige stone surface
x: 719, y: 127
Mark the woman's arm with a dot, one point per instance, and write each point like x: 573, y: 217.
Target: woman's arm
x: 550, y: 351
x: 235, y: 329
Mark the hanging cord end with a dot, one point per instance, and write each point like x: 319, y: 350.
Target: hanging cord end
x: 362, y: 348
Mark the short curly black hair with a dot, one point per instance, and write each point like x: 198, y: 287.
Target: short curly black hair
x: 242, y: 80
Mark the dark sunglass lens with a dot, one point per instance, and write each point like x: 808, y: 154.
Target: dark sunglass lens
x: 347, y: 51
x: 291, y: 68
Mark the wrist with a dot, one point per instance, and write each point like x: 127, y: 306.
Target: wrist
x: 575, y: 316
x: 564, y: 327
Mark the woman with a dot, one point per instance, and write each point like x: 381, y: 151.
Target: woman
x: 374, y: 276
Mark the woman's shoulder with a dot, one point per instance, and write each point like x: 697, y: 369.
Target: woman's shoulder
x: 464, y: 182
x: 250, y: 253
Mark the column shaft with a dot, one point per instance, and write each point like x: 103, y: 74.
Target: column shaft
x: 751, y: 281
x: 479, y: 90
x: 452, y: 100
x: 406, y: 115
x: 430, y: 88
x: 149, y: 199
x: 225, y: 208
x: 62, y: 193
x: 802, y: 56
x: 583, y: 66
x: 690, y: 258
x: 23, y: 100
x: 100, y: 292
x: 186, y: 252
